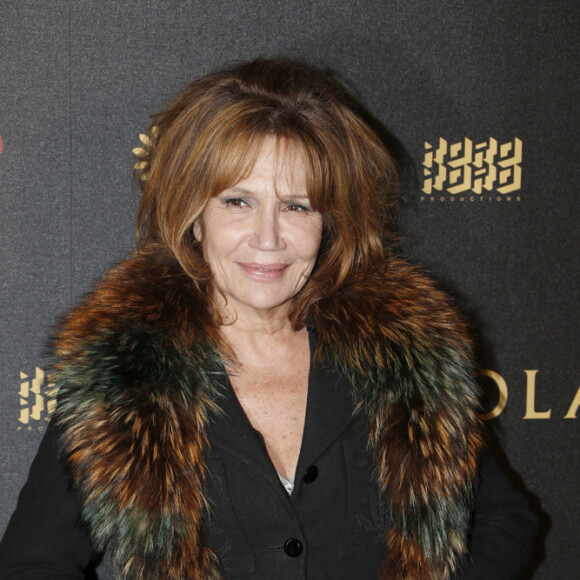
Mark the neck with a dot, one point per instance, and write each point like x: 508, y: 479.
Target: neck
x: 261, y: 343
x: 243, y: 323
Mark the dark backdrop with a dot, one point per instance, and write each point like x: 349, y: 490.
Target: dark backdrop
x: 479, y: 102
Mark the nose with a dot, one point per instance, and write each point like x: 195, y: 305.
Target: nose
x: 267, y: 235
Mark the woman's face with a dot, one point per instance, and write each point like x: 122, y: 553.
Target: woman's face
x: 261, y: 236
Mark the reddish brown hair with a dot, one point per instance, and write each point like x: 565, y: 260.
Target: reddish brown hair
x: 209, y: 138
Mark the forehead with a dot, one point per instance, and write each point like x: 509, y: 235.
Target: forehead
x: 279, y: 162
x: 293, y: 163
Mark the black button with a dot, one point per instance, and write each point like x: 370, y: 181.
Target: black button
x: 311, y: 474
x: 293, y: 547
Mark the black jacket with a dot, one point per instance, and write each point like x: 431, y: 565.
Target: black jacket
x: 332, y: 525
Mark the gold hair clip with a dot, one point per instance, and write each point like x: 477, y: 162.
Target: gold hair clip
x: 144, y: 153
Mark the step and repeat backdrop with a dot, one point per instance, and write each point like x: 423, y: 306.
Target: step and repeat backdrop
x: 479, y: 103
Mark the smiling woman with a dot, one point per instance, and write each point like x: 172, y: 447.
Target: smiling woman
x: 265, y: 389
x: 261, y: 238
x: 210, y: 138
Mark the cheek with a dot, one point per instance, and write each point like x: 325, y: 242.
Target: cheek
x: 214, y: 233
x: 221, y: 243
x: 309, y: 242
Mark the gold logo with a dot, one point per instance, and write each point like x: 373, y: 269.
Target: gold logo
x: 37, y: 400
x: 500, y: 389
x: 465, y: 171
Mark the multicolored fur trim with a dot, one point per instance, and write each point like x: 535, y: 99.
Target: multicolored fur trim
x: 408, y: 356
x: 135, y: 384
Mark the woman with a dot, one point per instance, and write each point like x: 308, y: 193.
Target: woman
x: 265, y: 389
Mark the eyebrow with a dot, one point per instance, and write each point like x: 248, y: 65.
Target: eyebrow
x: 289, y: 197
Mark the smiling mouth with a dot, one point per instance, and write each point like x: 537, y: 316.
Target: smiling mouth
x: 265, y: 272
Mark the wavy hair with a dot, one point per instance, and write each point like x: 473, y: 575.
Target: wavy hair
x: 209, y: 138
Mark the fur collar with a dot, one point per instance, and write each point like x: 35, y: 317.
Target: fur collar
x: 135, y: 384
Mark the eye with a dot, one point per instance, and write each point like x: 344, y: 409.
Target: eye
x: 235, y: 202
x: 297, y: 207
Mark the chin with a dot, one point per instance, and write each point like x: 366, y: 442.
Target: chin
x: 260, y: 301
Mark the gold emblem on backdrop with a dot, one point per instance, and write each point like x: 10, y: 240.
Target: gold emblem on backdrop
x: 37, y: 400
x: 500, y: 388
x: 464, y: 171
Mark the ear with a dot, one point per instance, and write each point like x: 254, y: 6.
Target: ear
x: 197, y: 230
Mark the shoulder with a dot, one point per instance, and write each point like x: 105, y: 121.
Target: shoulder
x: 397, y: 314
x: 138, y: 342
x: 149, y: 290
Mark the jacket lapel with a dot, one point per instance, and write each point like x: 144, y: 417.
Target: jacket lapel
x: 328, y: 414
x: 329, y: 411
x: 230, y: 432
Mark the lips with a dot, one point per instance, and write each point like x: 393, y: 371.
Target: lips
x: 263, y: 272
